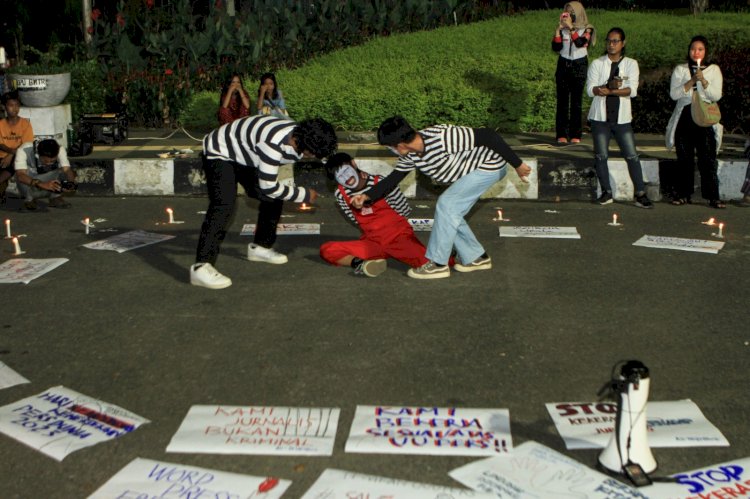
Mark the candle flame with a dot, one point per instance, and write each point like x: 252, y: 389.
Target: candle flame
x: 169, y: 210
x: 15, y: 240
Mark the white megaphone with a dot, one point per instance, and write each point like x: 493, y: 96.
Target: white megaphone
x: 628, y: 452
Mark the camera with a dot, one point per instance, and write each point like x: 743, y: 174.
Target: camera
x: 67, y: 185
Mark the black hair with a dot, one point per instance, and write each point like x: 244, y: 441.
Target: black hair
x: 225, y: 87
x: 706, y: 60
x: 272, y: 77
x: 9, y: 96
x: 335, y: 162
x: 621, y: 32
x: 49, y: 148
x: 394, y: 131
x: 316, y: 136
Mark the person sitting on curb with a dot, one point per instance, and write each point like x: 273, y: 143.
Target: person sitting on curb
x: 43, y: 169
x: 386, y: 232
x: 14, y: 131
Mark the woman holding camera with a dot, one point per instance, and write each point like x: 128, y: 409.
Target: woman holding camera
x: 612, y: 81
x: 571, y: 40
x: 698, y: 74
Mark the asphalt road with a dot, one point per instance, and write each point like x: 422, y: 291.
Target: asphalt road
x: 546, y: 324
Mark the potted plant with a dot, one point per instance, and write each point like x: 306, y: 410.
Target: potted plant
x: 43, y: 83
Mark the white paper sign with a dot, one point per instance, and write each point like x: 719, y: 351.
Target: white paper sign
x: 145, y: 479
x: 8, y: 377
x: 533, y: 471
x: 285, y: 229
x: 257, y: 430
x: 26, y: 270
x: 720, y: 481
x: 430, y: 430
x: 679, y: 423
x: 128, y: 241
x: 545, y: 232
x: 60, y: 421
x: 337, y: 484
x: 678, y: 243
x: 421, y: 224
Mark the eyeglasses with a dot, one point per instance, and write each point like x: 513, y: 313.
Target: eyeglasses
x: 612, y: 42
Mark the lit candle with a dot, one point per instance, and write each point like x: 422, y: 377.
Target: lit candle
x: 17, y: 247
x: 614, y: 219
x: 500, y: 215
x: 711, y: 221
x: 86, y: 222
x: 7, y: 229
x: 721, y: 230
x: 171, y: 215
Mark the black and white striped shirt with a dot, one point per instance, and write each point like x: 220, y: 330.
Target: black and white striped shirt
x: 395, y: 198
x: 259, y: 142
x: 450, y: 153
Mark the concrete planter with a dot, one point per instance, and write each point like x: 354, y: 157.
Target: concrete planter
x: 40, y: 90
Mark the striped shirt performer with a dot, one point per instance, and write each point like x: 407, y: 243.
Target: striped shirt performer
x: 250, y: 151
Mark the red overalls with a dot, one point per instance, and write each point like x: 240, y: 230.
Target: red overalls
x: 385, y: 234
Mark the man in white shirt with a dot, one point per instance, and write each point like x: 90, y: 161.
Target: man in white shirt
x: 43, y: 169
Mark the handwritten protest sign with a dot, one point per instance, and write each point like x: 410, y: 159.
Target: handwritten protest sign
x: 430, y: 430
x: 533, y: 471
x: 285, y: 229
x: 8, y: 377
x: 337, y: 484
x: 26, y: 270
x: 144, y: 478
x: 678, y: 243
x: 257, y: 430
x: 720, y: 481
x: 421, y: 224
x: 60, y: 421
x: 544, y: 232
x: 679, y: 423
x: 128, y: 241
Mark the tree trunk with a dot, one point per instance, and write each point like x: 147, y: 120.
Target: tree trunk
x: 698, y: 6
x: 88, y: 24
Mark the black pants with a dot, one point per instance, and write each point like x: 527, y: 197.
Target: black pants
x: 692, y: 140
x: 222, y: 178
x: 570, y: 78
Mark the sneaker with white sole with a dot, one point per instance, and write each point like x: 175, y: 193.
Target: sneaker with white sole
x: 478, y: 264
x: 605, y: 198
x: 371, y: 268
x: 205, y: 275
x: 430, y: 270
x: 257, y: 253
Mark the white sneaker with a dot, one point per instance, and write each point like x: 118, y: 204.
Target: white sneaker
x: 257, y: 253
x: 204, y: 274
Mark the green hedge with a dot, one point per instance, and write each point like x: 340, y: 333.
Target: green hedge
x: 500, y: 73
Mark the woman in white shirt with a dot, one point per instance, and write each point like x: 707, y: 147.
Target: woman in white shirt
x: 689, y: 139
x: 612, y: 81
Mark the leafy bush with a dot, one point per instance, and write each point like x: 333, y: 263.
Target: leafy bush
x: 500, y: 73
x: 87, y: 94
x: 201, y: 112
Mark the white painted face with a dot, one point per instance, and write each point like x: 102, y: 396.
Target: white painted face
x: 347, y: 176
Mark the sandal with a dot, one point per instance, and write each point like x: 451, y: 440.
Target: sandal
x: 717, y: 203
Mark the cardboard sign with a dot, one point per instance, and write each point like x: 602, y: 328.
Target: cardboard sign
x: 8, y: 377
x: 720, y: 481
x: 26, y: 270
x: 128, y: 241
x: 430, y: 430
x: 144, y: 478
x: 533, y: 471
x: 590, y: 425
x: 221, y: 429
x: 421, y: 224
x: 285, y: 229
x: 60, y: 421
x: 337, y: 484
x: 678, y: 243
x: 544, y: 232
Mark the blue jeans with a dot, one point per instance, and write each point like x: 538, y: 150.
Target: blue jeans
x: 623, y: 133
x: 29, y: 193
x: 449, y: 228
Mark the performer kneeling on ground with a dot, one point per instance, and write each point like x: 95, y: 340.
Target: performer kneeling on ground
x: 386, y: 232
x: 471, y: 160
x: 250, y: 151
